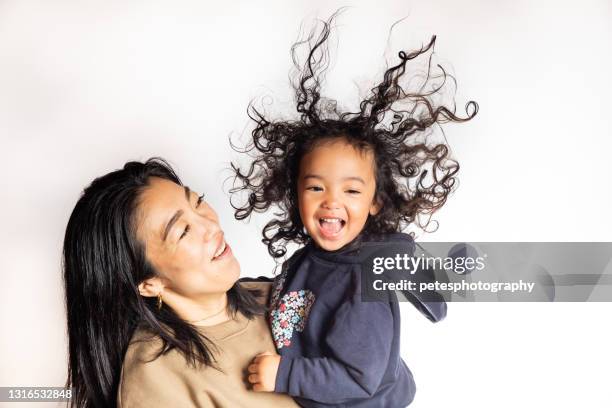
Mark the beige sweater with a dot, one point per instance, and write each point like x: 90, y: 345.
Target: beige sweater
x: 169, y: 382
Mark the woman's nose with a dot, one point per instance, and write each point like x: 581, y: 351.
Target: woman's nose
x: 210, y: 226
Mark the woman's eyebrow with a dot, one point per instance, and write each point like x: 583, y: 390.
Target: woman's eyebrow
x: 174, y: 218
x: 176, y: 215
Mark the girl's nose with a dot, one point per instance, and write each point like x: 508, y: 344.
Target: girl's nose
x: 331, y: 201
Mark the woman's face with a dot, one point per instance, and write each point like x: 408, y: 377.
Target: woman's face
x: 184, y: 241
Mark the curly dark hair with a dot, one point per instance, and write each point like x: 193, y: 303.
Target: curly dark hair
x: 388, y: 122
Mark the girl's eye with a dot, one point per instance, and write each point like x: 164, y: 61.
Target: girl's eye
x: 200, y: 199
x: 353, y: 191
x: 187, y: 228
x: 314, y: 188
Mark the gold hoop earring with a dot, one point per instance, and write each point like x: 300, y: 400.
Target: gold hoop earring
x: 159, y: 301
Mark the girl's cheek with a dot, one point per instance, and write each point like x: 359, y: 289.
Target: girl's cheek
x: 359, y: 213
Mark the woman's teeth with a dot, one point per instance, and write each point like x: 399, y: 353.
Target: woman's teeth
x: 220, y: 250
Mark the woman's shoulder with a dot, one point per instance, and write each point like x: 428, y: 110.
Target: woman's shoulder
x: 262, y: 286
x: 143, y: 354
x: 146, y: 375
x: 143, y: 343
x: 260, y: 283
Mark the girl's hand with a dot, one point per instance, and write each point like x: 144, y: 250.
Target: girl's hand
x: 262, y: 371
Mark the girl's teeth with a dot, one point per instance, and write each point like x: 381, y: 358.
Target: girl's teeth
x: 331, y: 226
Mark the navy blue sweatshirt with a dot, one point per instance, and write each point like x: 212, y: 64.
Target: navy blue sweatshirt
x: 337, y: 350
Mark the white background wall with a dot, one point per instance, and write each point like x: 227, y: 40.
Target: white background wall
x: 86, y: 86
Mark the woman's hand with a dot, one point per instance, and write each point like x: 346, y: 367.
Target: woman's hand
x: 262, y: 371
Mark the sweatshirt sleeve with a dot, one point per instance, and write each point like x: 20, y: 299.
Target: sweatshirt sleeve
x: 359, y: 342
x: 430, y: 303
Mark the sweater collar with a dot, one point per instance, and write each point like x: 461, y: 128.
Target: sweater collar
x: 226, y: 329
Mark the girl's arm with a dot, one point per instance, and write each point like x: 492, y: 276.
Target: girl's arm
x: 360, y: 348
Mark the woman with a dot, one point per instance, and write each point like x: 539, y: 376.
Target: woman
x: 156, y: 317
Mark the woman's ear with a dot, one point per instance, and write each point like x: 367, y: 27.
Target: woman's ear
x: 151, y: 287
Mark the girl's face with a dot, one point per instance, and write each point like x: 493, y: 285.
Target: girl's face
x: 184, y: 241
x: 336, y: 188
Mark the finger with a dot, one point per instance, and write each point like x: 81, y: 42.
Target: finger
x: 254, y: 378
x: 258, y: 387
x: 258, y: 358
x: 261, y: 356
x: 253, y: 368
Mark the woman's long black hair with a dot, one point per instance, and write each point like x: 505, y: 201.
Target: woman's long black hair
x: 103, y: 265
x: 390, y: 122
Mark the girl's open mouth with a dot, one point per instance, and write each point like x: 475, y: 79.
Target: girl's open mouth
x: 331, y: 227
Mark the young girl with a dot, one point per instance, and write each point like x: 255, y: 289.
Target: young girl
x: 346, y: 185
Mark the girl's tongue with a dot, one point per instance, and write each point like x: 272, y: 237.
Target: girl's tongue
x: 330, y: 227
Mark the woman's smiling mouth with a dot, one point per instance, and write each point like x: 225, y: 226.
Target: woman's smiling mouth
x: 222, y: 251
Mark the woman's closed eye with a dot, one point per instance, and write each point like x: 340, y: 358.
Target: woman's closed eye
x: 185, y: 231
x: 200, y: 199
x: 188, y: 227
x: 314, y: 188
x: 352, y: 191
